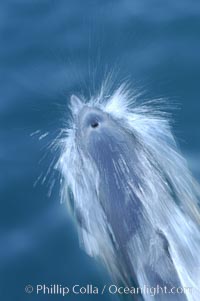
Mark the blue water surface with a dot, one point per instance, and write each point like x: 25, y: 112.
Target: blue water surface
x: 48, y: 50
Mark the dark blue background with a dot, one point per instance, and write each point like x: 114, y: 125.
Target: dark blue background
x: 49, y: 49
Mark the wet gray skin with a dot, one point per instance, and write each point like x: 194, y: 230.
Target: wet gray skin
x: 115, y: 153
x: 108, y: 145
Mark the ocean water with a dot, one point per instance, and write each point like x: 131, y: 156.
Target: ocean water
x: 49, y: 50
